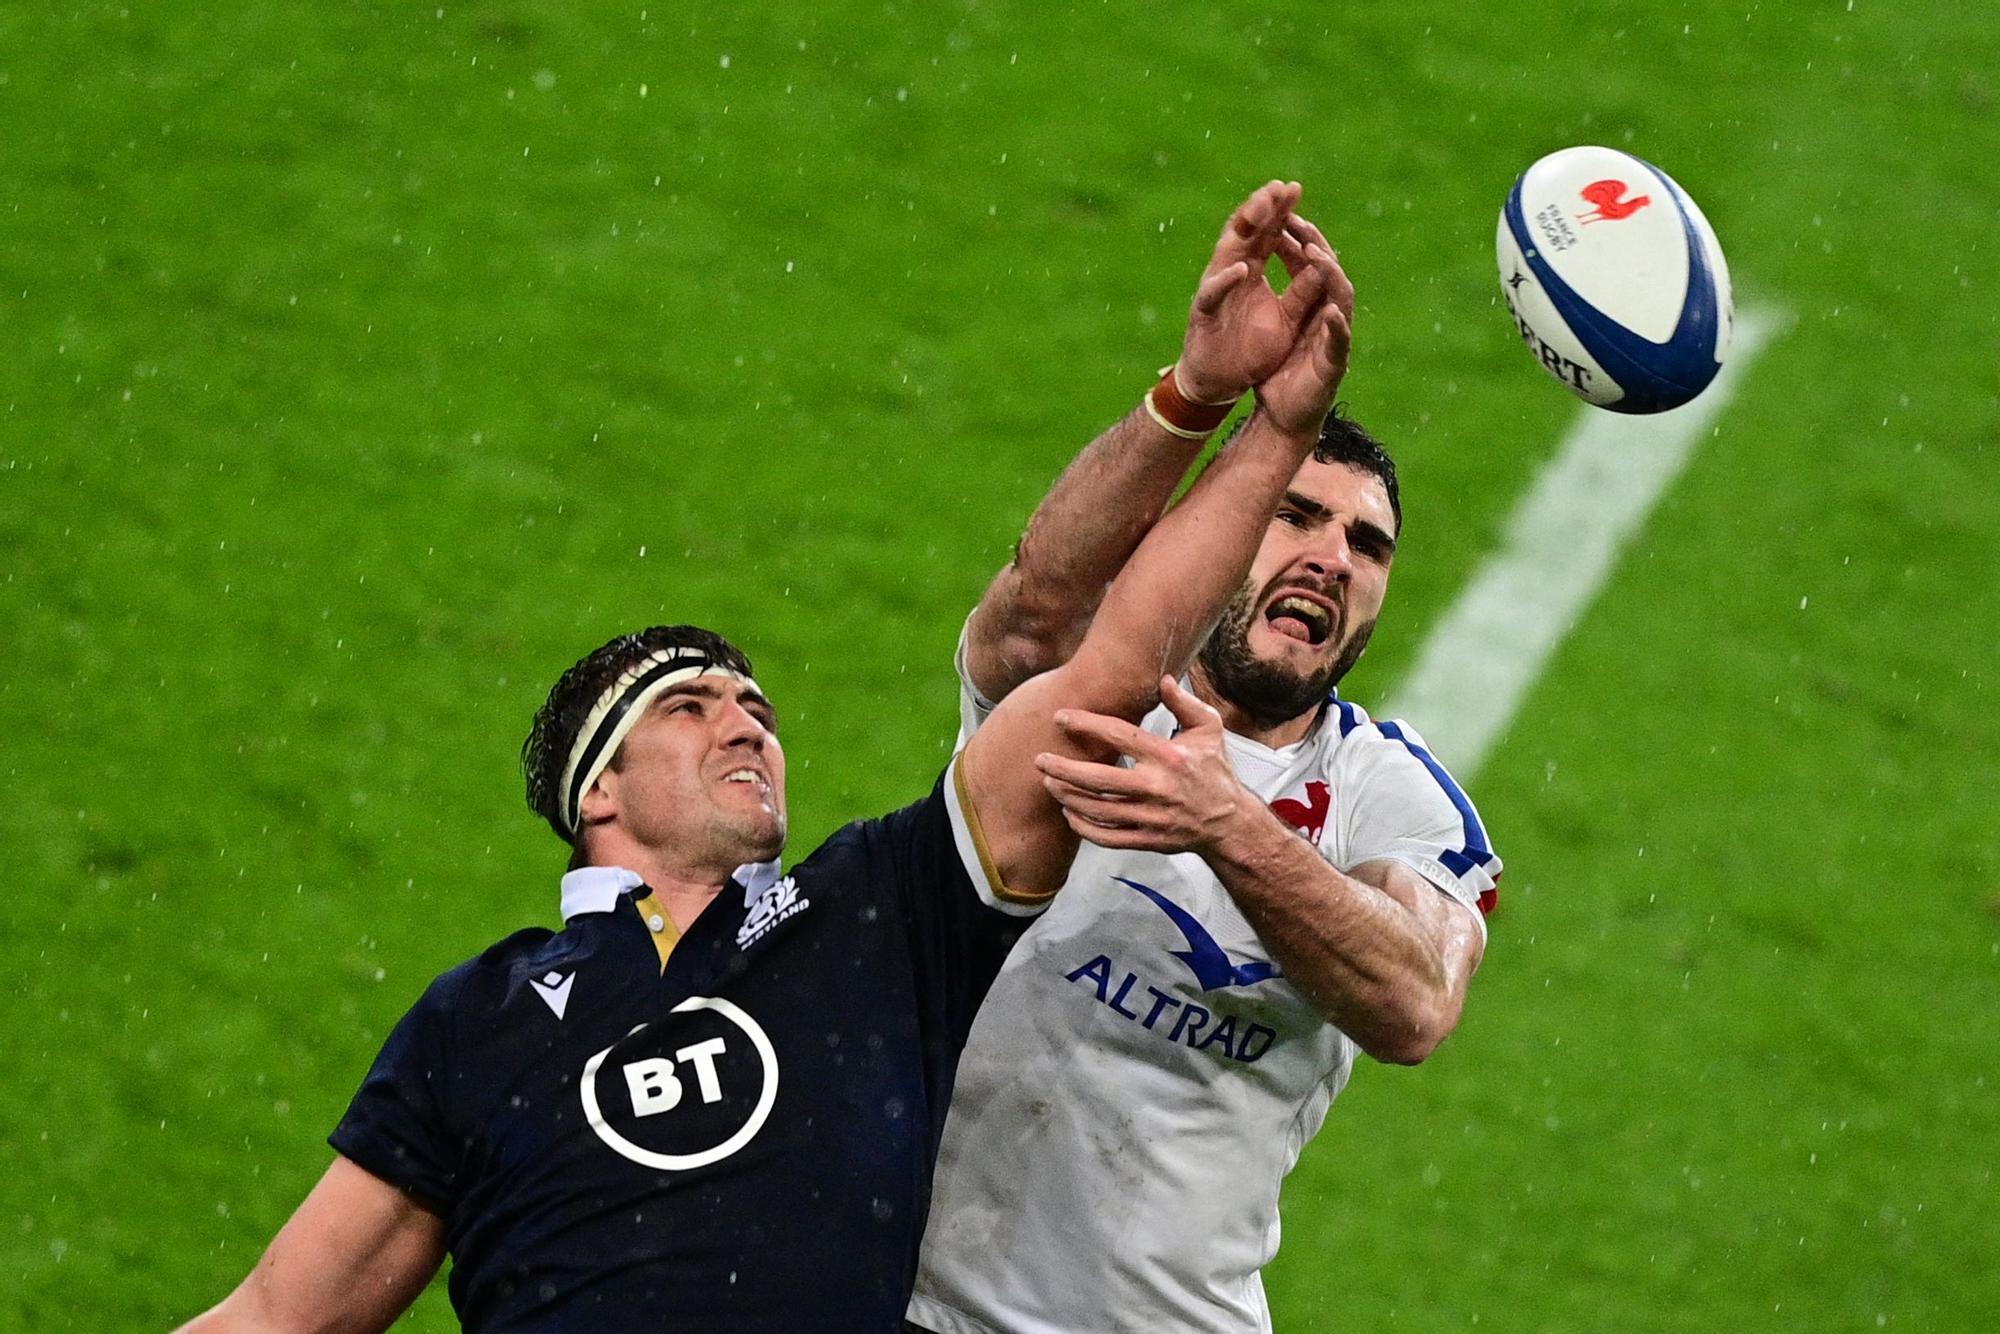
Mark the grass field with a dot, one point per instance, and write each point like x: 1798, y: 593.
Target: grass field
x: 369, y: 363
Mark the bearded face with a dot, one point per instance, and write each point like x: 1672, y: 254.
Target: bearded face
x: 1303, y: 617
x: 1274, y: 690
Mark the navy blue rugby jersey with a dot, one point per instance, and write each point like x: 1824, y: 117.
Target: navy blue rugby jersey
x: 739, y: 1141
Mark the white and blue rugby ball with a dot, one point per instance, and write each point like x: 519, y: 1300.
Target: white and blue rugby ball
x: 1615, y: 280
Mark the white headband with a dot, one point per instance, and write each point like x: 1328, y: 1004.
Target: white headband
x: 619, y: 709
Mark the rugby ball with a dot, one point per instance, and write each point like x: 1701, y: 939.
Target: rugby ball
x: 1615, y: 280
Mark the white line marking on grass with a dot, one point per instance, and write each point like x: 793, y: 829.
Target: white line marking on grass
x: 1559, y: 545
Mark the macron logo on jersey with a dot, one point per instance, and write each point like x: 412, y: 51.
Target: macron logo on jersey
x: 1211, y: 965
x: 553, y: 988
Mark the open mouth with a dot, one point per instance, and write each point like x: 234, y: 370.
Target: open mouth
x: 1300, y: 617
x: 751, y: 777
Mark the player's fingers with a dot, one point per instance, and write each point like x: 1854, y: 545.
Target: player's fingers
x: 1243, y: 224
x: 1284, y: 197
x: 1339, y: 333
x: 1122, y: 840
x: 1332, y: 341
x: 1098, y: 811
x: 1110, y: 815
x: 1113, y: 733
x: 1308, y: 288
x: 1252, y: 228
x: 1291, y: 253
x: 1298, y: 254
x: 1339, y: 288
x: 1307, y: 233
x: 1188, y: 708
x: 1102, y: 779
x: 1102, y: 837
x: 1215, y: 287
x: 1253, y: 213
x: 1279, y: 198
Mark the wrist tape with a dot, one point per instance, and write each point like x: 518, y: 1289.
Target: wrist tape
x: 1180, y: 415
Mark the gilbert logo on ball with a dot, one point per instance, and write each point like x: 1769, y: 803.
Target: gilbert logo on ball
x: 1615, y: 280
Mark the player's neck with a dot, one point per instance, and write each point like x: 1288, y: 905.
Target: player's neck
x: 683, y: 900
x: 683, y: 890
x: 1243, y: 724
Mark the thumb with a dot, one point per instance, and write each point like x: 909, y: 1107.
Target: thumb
x: 1208, y: 297
x: 1189, y: 709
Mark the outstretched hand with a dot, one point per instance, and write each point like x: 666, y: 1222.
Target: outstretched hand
x: 1299, y: 392
x: 1240, y: 331
x: 1180, y: 795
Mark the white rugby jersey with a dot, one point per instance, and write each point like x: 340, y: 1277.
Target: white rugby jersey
x: 1142, y: 1076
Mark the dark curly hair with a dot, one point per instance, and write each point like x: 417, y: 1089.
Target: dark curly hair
x: 552, y: 736
x: 1345, y: 440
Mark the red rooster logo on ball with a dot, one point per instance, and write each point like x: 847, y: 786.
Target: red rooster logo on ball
x: 1609, y: 196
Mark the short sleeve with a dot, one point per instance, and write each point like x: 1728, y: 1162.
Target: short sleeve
x: 396, y: 1127
x: 1403, y: 806
x: 973, y: 708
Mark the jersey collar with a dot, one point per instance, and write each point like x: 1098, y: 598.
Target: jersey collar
x: 1330, y: 710
x: 596, y: 888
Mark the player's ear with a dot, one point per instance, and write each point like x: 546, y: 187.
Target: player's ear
x: 600, y: 803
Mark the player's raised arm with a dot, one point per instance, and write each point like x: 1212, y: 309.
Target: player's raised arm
x: 1035, y: 612
x: 1165, y: 600
x: 351, y: 1259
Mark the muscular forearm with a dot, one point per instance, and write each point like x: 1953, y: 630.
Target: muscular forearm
x: 1164, y: 602
x: 1037, y: 609
x: 1154, y: 617
x: 1382, y: 963
x: 352, y: 1257
x: 1176, y: 582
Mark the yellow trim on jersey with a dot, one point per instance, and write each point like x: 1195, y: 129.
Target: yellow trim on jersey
x: 667, y: 935
x: 978, y: 835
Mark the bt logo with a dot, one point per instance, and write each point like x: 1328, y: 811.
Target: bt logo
x: 655, y: 1088
x: 705, y: 1042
